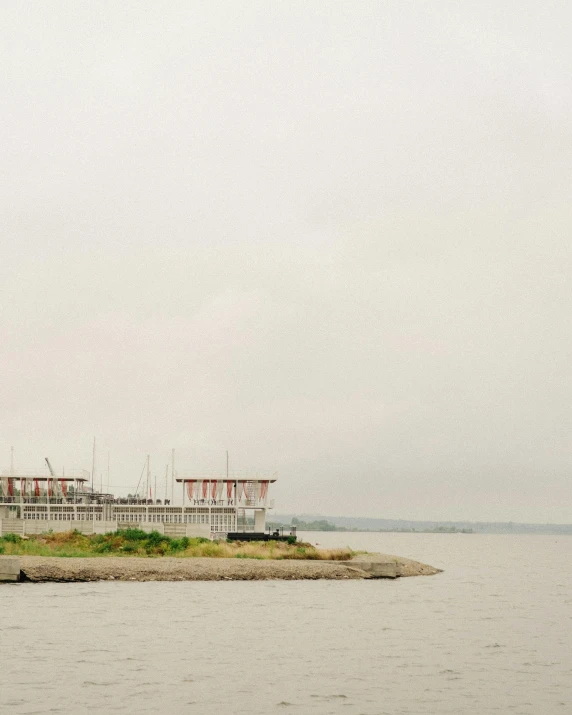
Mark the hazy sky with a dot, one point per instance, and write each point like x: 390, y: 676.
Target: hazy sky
x: 330, y: 237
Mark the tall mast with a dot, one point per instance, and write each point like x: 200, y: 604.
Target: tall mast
x: 148, y: 479
x: 93, y: 466
x: 166, y: 481
x: 172, y: 474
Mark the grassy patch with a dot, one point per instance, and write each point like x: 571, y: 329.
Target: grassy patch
x: 247, y: 556
x: 135, y: 542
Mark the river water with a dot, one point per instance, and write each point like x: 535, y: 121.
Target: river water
x: 492, y: 634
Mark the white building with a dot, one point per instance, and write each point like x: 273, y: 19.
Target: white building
x: 208, y: 506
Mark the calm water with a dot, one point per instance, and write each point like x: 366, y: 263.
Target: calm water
x: 493, y: 634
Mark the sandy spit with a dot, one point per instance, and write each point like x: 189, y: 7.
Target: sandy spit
x: 40, y: 568
x: 43, y: 568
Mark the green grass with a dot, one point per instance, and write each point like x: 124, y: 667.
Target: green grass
x: 247, y: 556
x: 135, y: 542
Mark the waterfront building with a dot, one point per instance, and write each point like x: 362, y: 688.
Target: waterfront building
x: 207, y: 506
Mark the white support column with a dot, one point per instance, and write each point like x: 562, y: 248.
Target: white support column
x: 235, y: 505
x: 260, y: 520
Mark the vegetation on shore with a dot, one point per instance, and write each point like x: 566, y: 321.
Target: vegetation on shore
x: 135, y: 542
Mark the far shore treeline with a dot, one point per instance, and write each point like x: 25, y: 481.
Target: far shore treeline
x: 325, y: 525
x: 317, y: 522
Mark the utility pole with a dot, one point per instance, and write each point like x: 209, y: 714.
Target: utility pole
x: 166, y: 481
x: 11, y: 461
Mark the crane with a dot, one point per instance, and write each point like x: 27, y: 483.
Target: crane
x: 62, y: 482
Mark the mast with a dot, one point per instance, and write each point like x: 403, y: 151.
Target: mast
x: 148, y: 479
x: 93, y: 466
x: 172, y: 474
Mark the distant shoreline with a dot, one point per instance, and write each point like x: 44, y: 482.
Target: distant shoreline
x: 342, y: 530
x: 316, y: 522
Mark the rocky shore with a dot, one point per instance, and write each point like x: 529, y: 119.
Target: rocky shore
x: 43, y: 568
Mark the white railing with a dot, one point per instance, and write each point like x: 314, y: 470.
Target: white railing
x: 242, y: 502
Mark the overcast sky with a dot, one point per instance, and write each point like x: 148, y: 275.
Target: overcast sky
x: 330, y: 237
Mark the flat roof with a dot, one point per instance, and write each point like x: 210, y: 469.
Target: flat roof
x: 42, y: 479
x: 221, y: 479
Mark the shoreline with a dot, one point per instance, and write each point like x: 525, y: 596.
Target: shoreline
x: 43, y: 569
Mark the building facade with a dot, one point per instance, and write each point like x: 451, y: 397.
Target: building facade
x: 208, y: 506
